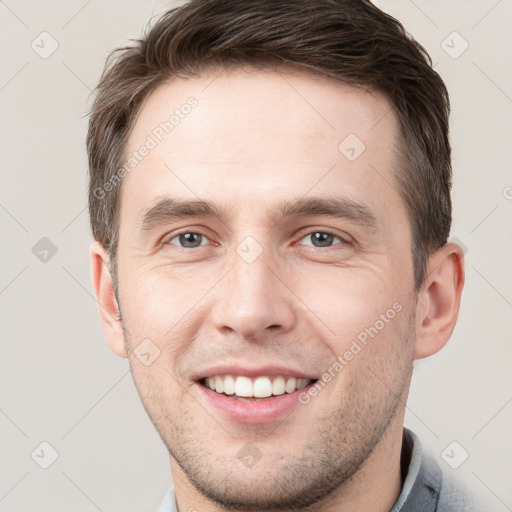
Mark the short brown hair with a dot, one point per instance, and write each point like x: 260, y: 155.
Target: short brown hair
x: 351, y: 41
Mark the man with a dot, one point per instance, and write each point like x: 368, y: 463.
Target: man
x: 270, y: 199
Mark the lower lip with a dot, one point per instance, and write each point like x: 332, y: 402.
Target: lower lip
x: 254, y: 411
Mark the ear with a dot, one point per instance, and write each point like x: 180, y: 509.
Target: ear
x: 107, y: 302
x: 439, y: 300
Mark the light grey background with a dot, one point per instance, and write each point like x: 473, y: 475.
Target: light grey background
x: 60, y: 383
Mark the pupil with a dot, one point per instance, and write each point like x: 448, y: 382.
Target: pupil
x: 190, y: 239
x: 322, y: 239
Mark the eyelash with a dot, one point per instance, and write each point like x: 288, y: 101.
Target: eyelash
x: 342, y: 241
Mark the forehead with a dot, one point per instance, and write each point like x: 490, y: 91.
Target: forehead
x: 274, y: 99
x: 261, y: 135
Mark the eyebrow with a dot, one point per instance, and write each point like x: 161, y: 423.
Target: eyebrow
x: 170, y: 209
x: 343, y: 208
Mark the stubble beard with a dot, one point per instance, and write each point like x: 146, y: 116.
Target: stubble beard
x: 343, y: 441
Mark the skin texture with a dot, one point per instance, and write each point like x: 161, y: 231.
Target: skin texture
x: 254, y: 140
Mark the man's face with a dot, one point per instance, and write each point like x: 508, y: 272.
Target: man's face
x: 254, y: 301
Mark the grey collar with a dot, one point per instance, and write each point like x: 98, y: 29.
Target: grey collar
x: 422, y: 485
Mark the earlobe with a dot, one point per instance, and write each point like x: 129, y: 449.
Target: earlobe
x: 107, y: 302
x: 439, y: 300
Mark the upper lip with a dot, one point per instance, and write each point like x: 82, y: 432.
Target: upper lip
x: 251, y: 371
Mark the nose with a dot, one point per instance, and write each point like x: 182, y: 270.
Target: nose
x: 254, y: 300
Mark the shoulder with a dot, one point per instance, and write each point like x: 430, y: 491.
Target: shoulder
x: 426, y: 488
x: 454, y: 496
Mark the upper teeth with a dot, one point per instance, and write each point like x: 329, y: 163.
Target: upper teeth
x: 260, y: 387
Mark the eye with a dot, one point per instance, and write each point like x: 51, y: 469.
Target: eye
x: 321, y: 239
x: 188, y: 240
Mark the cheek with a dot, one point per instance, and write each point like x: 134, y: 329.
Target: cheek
x: 155, y: 300
x: 163, y: 398
x: 163, y: 311
x: 349, y: 304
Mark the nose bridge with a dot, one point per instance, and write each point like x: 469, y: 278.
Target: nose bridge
x: 252, y: 298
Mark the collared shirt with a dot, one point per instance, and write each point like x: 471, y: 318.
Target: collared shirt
x: 424, y: 488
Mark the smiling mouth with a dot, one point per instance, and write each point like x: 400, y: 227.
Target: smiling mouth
x: 245, y: 388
